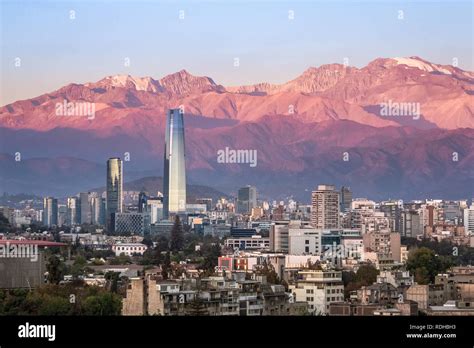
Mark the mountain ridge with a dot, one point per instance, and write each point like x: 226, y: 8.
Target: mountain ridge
x: 300, y: 129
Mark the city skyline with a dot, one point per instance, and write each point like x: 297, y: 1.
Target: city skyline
x: 307, y: 163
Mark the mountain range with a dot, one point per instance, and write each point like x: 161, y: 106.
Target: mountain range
x: 324, y: 126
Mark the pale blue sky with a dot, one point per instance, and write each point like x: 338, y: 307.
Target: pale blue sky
x: 56, y: 50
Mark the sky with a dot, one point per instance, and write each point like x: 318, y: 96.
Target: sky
x: 56, y: 47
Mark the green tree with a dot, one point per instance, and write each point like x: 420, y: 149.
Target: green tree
x: 211, y: 255
x: 148, y: 242
x: 176, y: 237
x: 366, y: 275
x: 197, y: 308
x: 166, y: 267
x: 102, y: 304
x: 425, y: 265
x: 113, y: 279
x: 54, y: 305
x: 314, y: 266
x: 4, y: 224
x: 269, y: 271
x: 122, y: 259
x: 55, y: 268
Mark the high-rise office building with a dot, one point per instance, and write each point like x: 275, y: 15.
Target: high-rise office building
x: 246, y: 199
x: 325, y: 207
x: 62, y: 215
x: 174, y: 178
x: 72, y: 211
x: 393, y: 210
x: 279, y: 236
x: 50, y: 211
x: 411, y: 224
x: 346, y: 199
x: 469, y: 219
x: 142, y: 202
x: 98, y: 210
x: 86, y: 213
x: 114, y: 190
x: 103, y: 211
x: 134, y: 223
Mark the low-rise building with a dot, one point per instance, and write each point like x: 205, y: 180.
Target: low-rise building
x: 426, y: 295
x: 255, y: 242
x: 129, y: 249
x: 319, y: 289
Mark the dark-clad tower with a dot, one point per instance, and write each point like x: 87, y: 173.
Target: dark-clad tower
x: 114, y: 190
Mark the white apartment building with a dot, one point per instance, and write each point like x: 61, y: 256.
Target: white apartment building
x: 469, y: 219
x: 318, y: 288
x: 396, y: 278
x: 304, y: 240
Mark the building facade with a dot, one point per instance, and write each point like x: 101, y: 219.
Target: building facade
x: 325, y: 207
x: 174, y: 177
x: 114, y: 190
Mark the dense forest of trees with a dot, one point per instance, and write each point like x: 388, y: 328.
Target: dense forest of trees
x: 52, y: 299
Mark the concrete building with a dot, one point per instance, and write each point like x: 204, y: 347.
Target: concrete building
x: 325, y: 207
x: 452, y: 308
x: 393, y: 209
x: 411, y: 224
x: 379, y: 293
x: 469, y: 219
x: 134, y: 301
x: 279, y: 236
x: 385, y: 245
x: 458, y: 283
x: 319, y: 289
x: 304, y: 240
x: 426, y: 295
x: 278, y: 302
x: 351, y: 309
x: 346, y: 199
x: 396, y: 278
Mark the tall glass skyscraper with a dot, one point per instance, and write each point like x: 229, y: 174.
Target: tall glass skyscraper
x: 73, y: 217
x: 85, y: 213
x: 246, y: 199
x: 114, y: 190
x: 174, y: 178
x: 50, y: 211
